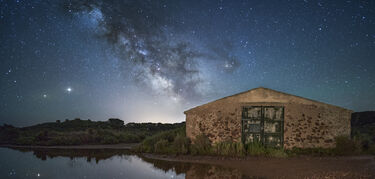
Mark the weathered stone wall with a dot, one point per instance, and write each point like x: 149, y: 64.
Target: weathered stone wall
x: 217, y: 123
x: 306, y: 123
x: 310, y: 126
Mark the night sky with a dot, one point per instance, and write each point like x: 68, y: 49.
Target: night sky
x: 148, y: 61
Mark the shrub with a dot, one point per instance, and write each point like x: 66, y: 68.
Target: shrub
x: 345, y: 146
x: 148, y: 144
x: 109, y: 139
x: 202, y: 145
x: 161, y: 146
x: 25, y: 140
x: 42, y: 136
x: 181, y: 144
x: 129, y: 138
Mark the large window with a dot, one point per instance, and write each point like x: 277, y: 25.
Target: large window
x: 263, y: 124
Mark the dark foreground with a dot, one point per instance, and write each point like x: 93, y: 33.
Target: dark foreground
x: 120, y: 163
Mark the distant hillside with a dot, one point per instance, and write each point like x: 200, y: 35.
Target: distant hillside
x: 363, y: 125
x: 363, y: 118
x: 78, y: 132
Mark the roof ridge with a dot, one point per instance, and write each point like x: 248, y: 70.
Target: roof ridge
x: 261, y: 87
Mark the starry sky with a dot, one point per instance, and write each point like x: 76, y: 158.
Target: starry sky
x: 148, y: 61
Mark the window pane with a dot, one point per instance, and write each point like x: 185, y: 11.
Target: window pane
x: 254, y: 127
x: 254, y: 112
x: 252, y: 138
x: 273, y: 140
x: 269, y: 113
x: 273, y: 113
x: 272, y: 127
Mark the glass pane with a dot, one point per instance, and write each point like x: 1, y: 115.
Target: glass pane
x: 269, y: 113
x: 252, y: 138
x: 279, y: 113
x: 272, y: 127
x: 273, y: 113
x: 273, y: 140
x: 254, y: 112
x: 254, y: 127
x: 252, y: 122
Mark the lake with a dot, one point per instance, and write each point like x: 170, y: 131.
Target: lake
x: 94, y: 163
x: 120, y: 163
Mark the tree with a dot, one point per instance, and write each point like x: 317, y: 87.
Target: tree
x: 117, y: 123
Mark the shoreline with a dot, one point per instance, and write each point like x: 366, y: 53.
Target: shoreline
x: 362, y: 166
x: 215, y: 158
x: 94, y: 146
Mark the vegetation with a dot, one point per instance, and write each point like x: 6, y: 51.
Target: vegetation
x: 171, y: 138
x: 78, y: 132
x: 176, y: 142
x: 363, y: 130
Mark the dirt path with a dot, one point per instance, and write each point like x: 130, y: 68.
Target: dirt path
x: 112, y: 146
x: 297, y: 167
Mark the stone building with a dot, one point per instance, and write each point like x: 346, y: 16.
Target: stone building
x: 269, y: 117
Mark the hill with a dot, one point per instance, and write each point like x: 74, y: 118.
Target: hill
x: 79, y: 132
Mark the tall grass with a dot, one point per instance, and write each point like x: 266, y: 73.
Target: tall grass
x: 171, y: 141
x: 176, y: 142
x: 229, y: 149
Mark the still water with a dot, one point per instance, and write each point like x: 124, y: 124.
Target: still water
x: 105, y: 163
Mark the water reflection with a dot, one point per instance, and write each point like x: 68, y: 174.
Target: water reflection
x: 197, y: 170
x: 89, y: 154
x: 107, y: 159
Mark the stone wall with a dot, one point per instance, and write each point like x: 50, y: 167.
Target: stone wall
x: 217, y: 123
x: 310, y: 126
x: 307, y: 124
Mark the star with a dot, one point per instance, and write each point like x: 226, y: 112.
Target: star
x: 69, y: 89
x: 44, y: 95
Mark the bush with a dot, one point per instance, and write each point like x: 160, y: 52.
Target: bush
x: 25, y: 140
x: 345, y: 146
x: 148, y: 144
x: 202, y: 145
x: 181, y: 144
x: 108, y: 139
x: 161, y: 146
x: 129, y: 138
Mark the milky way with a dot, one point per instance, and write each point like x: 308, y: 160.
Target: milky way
x: 151, y: 60
x: 139, y: 32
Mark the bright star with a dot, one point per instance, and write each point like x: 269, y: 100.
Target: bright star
x: 69, y: 89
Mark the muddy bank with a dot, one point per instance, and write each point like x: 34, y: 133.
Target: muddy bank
x: 296, y: 167
x: 112, y: 146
